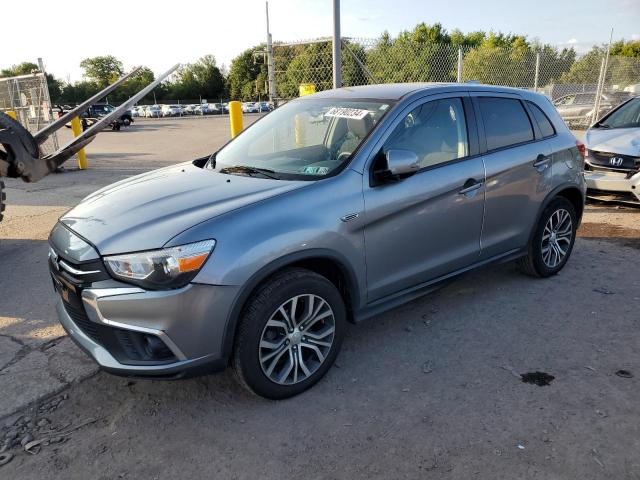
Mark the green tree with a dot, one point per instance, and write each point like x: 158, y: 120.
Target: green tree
x: 23, y: 68
x: 201, y: 79
x: 424, y: 54
x: 626, y: 48
x: 247, y: 75
x: 102, y: 69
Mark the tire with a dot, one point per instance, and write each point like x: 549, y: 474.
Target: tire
x: 3, y: 199
x: 262, y: 369
x: 25, y: 137
x: 542, y: 259
x: 126, y: 122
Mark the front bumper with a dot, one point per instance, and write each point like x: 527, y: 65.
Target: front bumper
x: 188, y: 325
x: 610, y: 181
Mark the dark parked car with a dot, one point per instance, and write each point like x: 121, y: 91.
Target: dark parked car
x: 99, y: 110
x: 331, y: 209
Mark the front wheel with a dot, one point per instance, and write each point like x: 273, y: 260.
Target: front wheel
x: 290, y: 334
x: 553, y: 240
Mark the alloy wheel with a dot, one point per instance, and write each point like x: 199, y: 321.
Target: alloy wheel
x: 296, y: 339
x: 556, y: 238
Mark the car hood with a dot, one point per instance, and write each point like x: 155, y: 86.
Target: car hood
x: 625, y: 141
x: 146, y: 211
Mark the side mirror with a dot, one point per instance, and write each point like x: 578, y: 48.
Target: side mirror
x: 401, y: 163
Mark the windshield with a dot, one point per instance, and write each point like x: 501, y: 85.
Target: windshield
x: 305, y: 139
x: 627, y: 116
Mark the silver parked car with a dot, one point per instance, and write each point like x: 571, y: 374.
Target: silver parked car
x: 613, y: 153
x: 331, y: 209
x: 577, y: 108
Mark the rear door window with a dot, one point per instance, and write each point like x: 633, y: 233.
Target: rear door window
x: 546, y: 128
x: 505, y: 121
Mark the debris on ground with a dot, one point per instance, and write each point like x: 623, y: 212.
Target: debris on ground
x: 511, y: 370
x: 426, y: 367
x: 540, y: 379
x: 594, y: 454
x: 5, y: 458
x: 604, y: 291
x: 624, y: 374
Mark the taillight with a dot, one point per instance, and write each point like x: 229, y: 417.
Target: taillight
x: 581, y: 148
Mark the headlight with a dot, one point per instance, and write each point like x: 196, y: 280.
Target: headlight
x: 156, y: 269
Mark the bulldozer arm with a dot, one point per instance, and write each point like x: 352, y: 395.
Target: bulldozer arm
x: 20, y: 155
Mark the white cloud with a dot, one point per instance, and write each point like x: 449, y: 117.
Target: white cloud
x: 572, y: 41
x: 635, y: 36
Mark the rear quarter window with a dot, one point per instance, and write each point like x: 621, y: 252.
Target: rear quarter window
x: 545, y: 125
x: 505, y: 122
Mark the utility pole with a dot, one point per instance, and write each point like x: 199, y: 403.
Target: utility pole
x: 337, y: 43
x: 603, y: 76
x: 271, y: 73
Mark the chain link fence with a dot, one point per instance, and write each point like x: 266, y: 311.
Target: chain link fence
x: 583, y: 88
x: 28, y: 97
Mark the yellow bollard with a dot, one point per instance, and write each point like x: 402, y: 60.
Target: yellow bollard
x: 77, y: 130
x: 12, y: 114
x: 306, y: 89
x: 235, y: 118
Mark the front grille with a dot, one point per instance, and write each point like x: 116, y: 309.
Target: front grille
x: 622, y: 162
x: 127, y: 346
x: 79, y: 317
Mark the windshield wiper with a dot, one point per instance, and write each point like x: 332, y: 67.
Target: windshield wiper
x: 250, y: 170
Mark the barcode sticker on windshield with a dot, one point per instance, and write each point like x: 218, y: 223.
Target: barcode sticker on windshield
x: 345, y: 112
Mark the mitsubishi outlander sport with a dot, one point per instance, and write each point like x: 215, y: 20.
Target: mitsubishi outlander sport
x: 330, y: 209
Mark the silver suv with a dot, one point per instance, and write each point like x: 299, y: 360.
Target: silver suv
x: 331, y: 209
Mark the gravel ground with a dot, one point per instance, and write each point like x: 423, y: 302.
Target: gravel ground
x: 429, y: 390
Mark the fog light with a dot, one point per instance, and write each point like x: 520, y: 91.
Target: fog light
x: 155, y: 348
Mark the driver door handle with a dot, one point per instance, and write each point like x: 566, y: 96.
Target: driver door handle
x: 469, y: 186
x: 542, y: 162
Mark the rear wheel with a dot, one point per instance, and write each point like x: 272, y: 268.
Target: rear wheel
x: 290, y: 334
x: 553, y: 240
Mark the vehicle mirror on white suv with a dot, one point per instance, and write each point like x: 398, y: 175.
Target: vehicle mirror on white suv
x: 401, y: 162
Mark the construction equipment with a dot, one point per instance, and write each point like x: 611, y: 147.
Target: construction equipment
x: 20, y: 153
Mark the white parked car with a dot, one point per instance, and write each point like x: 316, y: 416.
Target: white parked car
x: 612, y: 163
x: 152, y: 111
x: 250, y: 107
x: 171, y: 110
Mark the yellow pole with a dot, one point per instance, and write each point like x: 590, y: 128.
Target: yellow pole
x: 12, y: 114
x: 235, y: 118
x: 77, y: 130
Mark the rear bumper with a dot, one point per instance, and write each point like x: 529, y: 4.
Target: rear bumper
x: 618, y: 182
x: 190, y: 323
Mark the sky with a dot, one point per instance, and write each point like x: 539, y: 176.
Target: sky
x: 160, y: 33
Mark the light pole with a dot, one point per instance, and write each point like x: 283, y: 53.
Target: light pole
x: 271, y: 74
x: 337, y: 43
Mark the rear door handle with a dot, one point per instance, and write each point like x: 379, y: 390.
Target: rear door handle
x: 469, y: 186
x: 542, y: 162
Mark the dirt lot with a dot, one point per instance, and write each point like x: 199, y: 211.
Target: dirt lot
x: 429, y: 390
